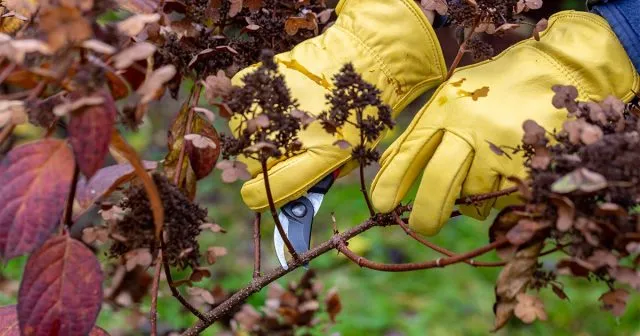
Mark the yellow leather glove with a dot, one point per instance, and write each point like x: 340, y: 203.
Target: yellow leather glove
x: 447, y: 140
x: 390, y: 43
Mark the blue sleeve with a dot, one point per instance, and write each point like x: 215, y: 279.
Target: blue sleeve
x: 624, y: 18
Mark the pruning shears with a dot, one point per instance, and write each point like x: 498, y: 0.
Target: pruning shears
x: 297, y: 216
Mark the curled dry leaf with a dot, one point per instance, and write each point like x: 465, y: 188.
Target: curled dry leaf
x: 308, y: 21
x: 525, y: 230
x: 138, y: 257
x: 200, y: 142
x: 17, y: 50
x: 334, y: 304
x: 12, y: 112
x: 133, y: 25
x: 233, y: 171
x: 199, y: 273
x: 97, y: 234
x: 64, y: 25
x: 214, y: 252
x: 533, y: 133
x: 66, y: 108
x: 581, y: 179
x: 615, y: 301
x: 513, y: 280
x: 156, y: 81
x: 201, y: 295
x: 99, y: 47
x: 213, y: 227
x: 34, y: 184
x: 529, y: 308
x: 439, y: 6
x: 566, y: 212
x: 137, y: 52
x: 539, y: 28
x: 71, y: 275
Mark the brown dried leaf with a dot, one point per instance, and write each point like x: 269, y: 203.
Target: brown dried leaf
x: 581, y: 179
x: 334, y: 304
x: 99, y: 234
x: 233, y: 171
x: 294, y: 23
x: 217, y: 86
x: 138, y: 257
x: 566, y: 212
x: 133, y: 25
x: 529, y: 308
x: 64, y: 25
x: 541, y: 159
x: 615, y: 301
x: 533, y: 133
x: 513, y: 280
x: 525, y: 230
x: 439, y: 6
x: 628, y: 276
x: 215, y: 228
x: 12, y: 112
x: 574, y: 266
x: 235, y: 7
x: 199, y: 273
x: 87, y: 101
x: 155, y: 82
x: 137, y: 52
x: 201, y: 295
x: 603, y: 258
x: 539, y: 28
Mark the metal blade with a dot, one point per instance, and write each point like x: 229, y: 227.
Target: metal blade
x: 278, y: 243
x: 297, y: 224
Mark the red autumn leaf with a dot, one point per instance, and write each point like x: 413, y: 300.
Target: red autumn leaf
x: 90, y: 133
x: 105, y: 181
x: 61, y: 289
x: 9, y: 323
x: 34, y: 183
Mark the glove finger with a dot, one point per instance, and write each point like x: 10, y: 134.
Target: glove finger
x: 402, y: 163
x: 292, y: 178
x: 441, y: 184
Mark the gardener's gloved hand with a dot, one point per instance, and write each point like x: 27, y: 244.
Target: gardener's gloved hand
x: 390, y: 43
x: 488, y: 102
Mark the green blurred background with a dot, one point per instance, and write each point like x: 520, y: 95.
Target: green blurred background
x: 456, y: 300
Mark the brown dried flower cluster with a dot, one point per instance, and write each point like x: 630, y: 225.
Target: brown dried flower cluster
x: 582, y: 197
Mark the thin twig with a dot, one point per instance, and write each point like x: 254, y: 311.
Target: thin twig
x: 68, y: 211
x: 153, y: 313
x: 363, y: 188
x: 443, y: 250
x: 438, y: 263
x: 257, y: 284
x: 274, y: 212
x: 175, y: 292
x: 462, y: 48
x: 256, y: 245
x: 482, y: 197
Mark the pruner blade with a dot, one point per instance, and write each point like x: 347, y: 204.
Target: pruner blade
x: 296, y: 218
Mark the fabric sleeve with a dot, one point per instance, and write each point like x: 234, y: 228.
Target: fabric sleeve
x: 624, y: 18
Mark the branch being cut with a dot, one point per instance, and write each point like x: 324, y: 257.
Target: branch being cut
x: 441, y: 249
x: 440, y: 262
